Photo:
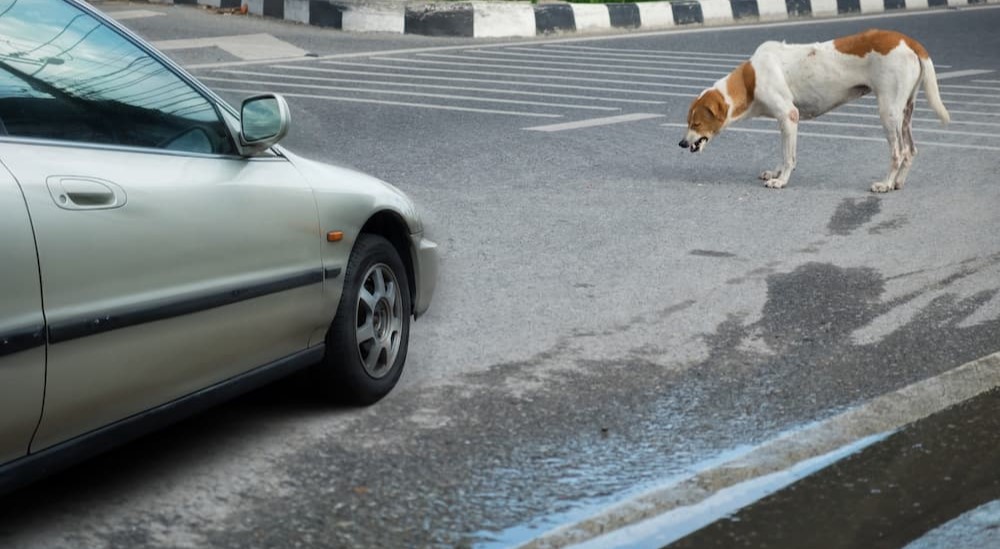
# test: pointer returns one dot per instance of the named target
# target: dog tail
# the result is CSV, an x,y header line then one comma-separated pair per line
x,y
931,90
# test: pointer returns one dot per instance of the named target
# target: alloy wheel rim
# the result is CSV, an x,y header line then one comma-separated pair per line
x,y
379,320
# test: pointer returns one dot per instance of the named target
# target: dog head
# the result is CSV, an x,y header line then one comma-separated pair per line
x,y
706,118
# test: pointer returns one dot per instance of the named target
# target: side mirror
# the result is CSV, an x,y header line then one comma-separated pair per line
x,y
264,120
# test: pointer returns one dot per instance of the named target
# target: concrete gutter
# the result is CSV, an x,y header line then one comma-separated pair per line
x,y
523,19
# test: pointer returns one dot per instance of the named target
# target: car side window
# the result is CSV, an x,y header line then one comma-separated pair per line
x,y
66,75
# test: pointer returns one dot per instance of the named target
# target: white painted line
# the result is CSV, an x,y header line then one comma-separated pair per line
x,y
594,122
608,38
375,17
879,128
770,10
591,16
516,52
395,103
845,431
497,19
716,11
122,15
545,69
922,109
545,77
960,74
253,47
409,93
655,15
823,8
853,138
968,87
521,63
445,87
490,81
947,93
659,54
987,81
932,121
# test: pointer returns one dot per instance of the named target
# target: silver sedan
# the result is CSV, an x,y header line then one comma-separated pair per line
x,y
159,252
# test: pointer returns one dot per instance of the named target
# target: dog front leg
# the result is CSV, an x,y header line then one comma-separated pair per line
x,y
789,124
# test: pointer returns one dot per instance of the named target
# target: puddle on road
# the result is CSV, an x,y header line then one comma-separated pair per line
x,y
882,497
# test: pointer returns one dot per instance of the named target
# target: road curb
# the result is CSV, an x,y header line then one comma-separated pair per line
x,y
522,19
878,416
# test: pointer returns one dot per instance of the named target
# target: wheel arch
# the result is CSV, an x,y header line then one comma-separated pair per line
x,y
391,226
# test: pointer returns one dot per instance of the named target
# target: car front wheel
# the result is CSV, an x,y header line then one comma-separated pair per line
x,y
367,342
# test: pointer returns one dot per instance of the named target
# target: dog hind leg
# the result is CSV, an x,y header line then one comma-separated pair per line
x,y
891,113
909,148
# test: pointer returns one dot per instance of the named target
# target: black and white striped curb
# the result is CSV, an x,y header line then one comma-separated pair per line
x,y
514,19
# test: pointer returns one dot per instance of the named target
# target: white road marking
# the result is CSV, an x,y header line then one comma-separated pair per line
x,y
915,120
546,76
488,81
654,53
608,38
879,128
122,15
395,103
584,71
852,138
521,63
784,453
409,93
987,81
444,87
960,74
516,52
594,122
251,47
922,109
968,87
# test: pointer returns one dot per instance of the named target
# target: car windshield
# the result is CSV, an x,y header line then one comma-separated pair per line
x,y
64,74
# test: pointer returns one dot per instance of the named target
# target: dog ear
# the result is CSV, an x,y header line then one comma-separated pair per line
x,y
716,105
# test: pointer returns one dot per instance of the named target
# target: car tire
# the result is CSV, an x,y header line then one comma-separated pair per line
x,y
367,341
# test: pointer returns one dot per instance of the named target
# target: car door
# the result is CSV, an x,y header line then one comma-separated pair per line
x,y
167,262
22,327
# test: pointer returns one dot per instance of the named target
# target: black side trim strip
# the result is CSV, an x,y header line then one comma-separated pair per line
x,y
151,312
332,273
22,339
32,467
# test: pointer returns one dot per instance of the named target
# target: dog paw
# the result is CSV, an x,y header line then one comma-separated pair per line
x,y
774,183
768,175
882,187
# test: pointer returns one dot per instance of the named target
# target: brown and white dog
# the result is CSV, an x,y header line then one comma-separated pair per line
x,y
792,82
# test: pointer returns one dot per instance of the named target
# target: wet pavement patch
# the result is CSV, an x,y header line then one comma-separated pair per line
x,y
852,214
885,495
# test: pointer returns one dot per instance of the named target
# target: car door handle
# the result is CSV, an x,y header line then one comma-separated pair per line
x,y
85,193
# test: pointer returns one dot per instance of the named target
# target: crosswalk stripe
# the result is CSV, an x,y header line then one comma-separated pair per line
x,y
414,94
445,87
396,103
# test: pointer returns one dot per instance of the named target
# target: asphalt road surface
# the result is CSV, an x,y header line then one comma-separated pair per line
x,y
612,310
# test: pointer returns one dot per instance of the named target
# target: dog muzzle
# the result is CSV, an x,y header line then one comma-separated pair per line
x,y
693,146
